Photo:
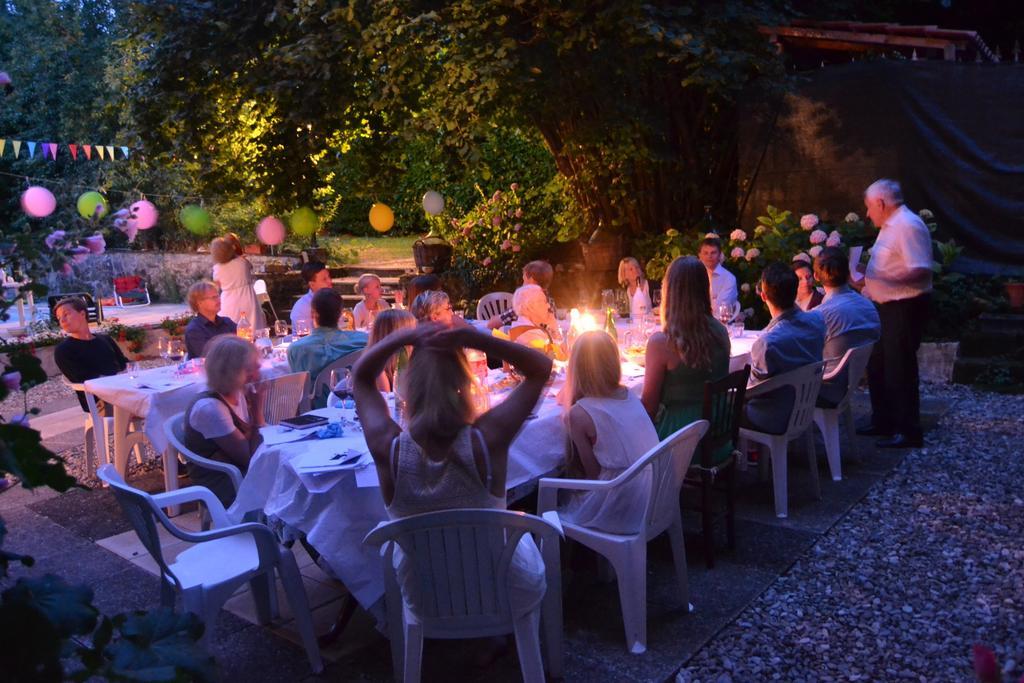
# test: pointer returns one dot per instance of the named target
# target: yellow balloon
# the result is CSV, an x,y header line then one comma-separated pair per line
x,y
382,218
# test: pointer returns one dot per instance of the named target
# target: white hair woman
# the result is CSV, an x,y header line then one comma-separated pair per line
x,y
610,431
369,286
449,456
535,321
223,423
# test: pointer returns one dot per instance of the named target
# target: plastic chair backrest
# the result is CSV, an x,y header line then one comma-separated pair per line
x,y
323,378
669,462
723,407
460,560
855,362
142,514
493,304
806,383
284,396
174,430
259,287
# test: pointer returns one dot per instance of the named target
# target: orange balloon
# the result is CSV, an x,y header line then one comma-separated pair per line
x,y
382,218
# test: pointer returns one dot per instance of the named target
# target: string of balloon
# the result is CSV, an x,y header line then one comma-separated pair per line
x,y
123,193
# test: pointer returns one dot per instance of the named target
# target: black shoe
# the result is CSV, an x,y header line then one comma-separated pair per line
x,y
900,441
870,429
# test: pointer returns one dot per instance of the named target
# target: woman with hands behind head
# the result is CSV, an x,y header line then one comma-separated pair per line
x,y
449,457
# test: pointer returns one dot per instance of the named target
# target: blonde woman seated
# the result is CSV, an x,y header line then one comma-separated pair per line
x,y
223,423
610,431
386,323
373,303
449,457
631,276
535,321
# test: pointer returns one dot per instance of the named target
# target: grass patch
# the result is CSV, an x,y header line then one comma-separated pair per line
x,y
351,249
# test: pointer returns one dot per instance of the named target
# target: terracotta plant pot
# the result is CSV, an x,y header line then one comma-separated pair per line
x,y
432,254
601,253
1015,293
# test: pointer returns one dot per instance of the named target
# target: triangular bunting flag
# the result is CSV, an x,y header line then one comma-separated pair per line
x,y
73,148
3,144
88,151
110,152
53,150
31,149
99,150
17,147
124,151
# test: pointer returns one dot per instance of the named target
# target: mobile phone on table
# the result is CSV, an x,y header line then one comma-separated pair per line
x,y
304,421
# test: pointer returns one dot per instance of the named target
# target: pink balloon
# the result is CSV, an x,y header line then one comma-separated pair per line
x,y
144,214
270,231
38,202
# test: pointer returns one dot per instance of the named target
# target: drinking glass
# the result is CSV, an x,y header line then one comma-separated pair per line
x,y
736,329
341,380
281,328
175,350
133,369
161,346
301,327
263,343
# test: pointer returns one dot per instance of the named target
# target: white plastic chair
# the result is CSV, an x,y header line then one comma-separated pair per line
x,y
806,382
262,296
174,430
99,429
461,560
323,378
627,553
222,560
284,396
855,360
493,304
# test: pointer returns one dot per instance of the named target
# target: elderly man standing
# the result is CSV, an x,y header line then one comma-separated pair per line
x,y
899,280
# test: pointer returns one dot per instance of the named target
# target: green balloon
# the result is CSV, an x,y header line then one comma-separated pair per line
x,y
195,219
304,221
89,201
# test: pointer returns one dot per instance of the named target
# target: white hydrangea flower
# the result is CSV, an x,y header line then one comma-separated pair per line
x,y
745,288
818,236
925,214
802,256
737,252
852,217
814,251
834,239
710,235
808,221
753,253
737,235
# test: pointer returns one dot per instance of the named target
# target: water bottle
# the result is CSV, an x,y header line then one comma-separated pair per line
x,y
638,306
244,329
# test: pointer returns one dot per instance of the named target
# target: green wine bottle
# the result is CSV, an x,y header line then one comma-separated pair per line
x,y
609,325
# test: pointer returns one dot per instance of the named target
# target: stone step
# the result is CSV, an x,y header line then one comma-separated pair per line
x,y
1001,322
989,344
973,370
383,271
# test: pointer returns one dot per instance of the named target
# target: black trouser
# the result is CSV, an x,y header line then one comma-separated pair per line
x,y
892,370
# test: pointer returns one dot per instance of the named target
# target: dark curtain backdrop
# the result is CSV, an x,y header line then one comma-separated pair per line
x,y
952,134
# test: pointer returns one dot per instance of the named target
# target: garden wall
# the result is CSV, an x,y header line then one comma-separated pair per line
x,y
168,274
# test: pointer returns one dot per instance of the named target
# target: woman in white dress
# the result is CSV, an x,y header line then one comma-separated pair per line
x,y
610,431
233,274
631,276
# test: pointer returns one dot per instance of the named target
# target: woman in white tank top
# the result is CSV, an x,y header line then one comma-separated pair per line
x,y
610,431
449,457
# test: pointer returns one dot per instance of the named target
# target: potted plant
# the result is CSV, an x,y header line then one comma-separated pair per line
x,y
1015,293
134,338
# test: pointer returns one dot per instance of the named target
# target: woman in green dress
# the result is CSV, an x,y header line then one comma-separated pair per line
x,y
691,348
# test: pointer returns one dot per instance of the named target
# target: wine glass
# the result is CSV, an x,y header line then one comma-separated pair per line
x,y
175,350
341,380
281,328
301,327
724,313
161,346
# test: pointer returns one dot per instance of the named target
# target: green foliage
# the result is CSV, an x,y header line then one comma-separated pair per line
x,y
133,335
958,299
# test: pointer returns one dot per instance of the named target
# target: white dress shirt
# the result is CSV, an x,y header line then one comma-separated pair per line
x,y
303,309
903,244
723,288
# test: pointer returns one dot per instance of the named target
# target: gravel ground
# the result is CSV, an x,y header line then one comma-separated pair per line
x,y
928,564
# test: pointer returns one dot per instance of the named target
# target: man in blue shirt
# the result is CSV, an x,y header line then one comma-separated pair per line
x,y
317,276
326,343
204,299
850,319
791,340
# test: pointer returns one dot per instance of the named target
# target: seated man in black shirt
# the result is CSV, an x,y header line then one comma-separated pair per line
x,y
204,298
84,355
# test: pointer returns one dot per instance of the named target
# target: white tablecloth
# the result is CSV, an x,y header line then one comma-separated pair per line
x,y
336,514
157,394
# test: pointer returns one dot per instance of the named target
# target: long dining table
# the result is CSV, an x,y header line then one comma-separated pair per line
x,y
291,481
